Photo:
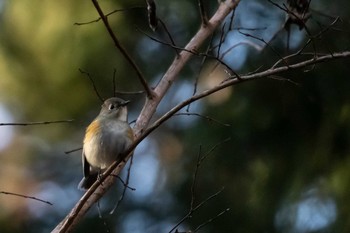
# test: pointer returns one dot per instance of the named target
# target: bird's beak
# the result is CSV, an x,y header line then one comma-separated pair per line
x,y
125,103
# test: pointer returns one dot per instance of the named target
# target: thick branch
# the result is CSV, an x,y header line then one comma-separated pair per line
x,y
141,131
169,77
96,191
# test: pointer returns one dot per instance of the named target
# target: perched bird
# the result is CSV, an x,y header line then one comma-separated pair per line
x,y
106,138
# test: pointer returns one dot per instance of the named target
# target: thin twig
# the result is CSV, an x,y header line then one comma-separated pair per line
x,y
230,27
108,14
211,219
36,123
93,83
233,81
195,85
126,185
205,117
74,150
300,51
140,129
189,214
96,191
193,208
25,196
194,52
267,44
123,50
169,35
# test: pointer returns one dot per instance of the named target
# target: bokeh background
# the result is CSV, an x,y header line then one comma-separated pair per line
x,y
286,167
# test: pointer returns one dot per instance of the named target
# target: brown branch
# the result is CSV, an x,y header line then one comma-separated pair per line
x,y
123,50
96,191
195,52
140,129
179,62
233,81
25,196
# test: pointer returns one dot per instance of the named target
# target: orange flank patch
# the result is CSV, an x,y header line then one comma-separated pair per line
x,y
91,130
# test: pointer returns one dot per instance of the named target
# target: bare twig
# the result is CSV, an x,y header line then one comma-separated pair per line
x,y
249,77
169,35
225,8
74,150
211,219
267,44
230,27
195,85
96,191
140,129
188,215
36,123
25,196
110,13
123,50
126,186
193,208
93,84
205,117
194,52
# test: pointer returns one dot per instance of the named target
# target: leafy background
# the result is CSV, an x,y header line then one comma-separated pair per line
x,y
284,169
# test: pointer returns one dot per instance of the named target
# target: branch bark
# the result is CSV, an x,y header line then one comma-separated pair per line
x,y
97,191
142,128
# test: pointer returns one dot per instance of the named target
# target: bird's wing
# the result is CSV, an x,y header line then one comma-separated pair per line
x,y
86,165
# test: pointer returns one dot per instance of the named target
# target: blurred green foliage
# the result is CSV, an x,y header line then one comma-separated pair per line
x,y
284,169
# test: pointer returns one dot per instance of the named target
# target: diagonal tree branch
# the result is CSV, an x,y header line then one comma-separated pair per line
x,y
225,8
141,129
97,191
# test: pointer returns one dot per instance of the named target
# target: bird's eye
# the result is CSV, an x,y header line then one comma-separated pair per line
x,y
111,106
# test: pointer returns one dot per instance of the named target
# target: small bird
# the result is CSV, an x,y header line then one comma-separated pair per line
x,y
106,138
